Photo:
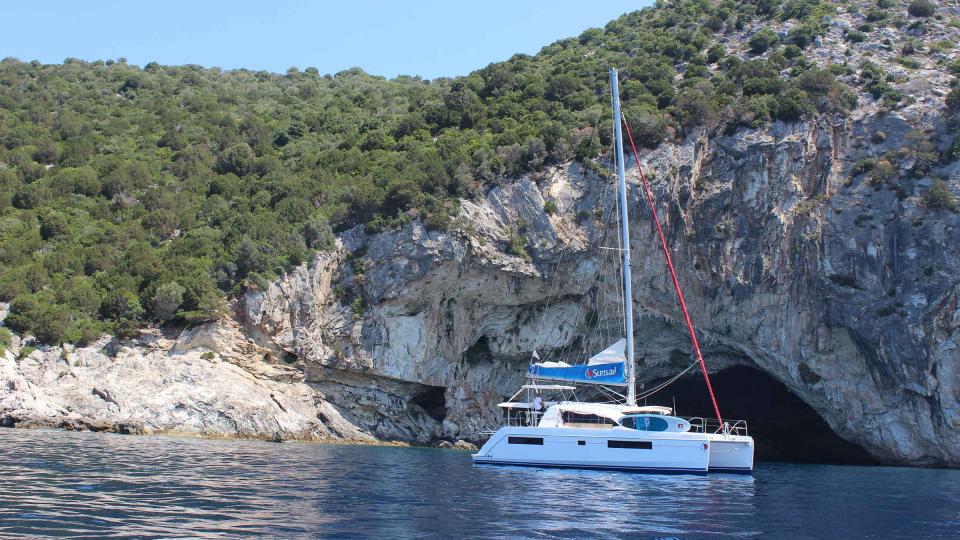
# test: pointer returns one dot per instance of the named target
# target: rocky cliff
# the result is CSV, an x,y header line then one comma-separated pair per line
x,y
797,260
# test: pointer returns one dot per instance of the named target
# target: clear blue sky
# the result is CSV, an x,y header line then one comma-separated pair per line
x,y
430,38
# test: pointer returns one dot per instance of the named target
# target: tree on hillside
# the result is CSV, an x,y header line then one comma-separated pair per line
x,y
922,8
762,41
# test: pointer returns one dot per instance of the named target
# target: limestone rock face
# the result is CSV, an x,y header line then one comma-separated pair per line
x,y
210,381
781,269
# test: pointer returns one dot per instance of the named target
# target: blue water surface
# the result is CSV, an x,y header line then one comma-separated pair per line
x,y
55,483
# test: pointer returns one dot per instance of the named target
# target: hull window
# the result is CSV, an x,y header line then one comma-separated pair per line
x,y
525,440
639,445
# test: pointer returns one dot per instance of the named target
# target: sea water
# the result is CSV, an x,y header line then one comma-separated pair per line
x,y
55,483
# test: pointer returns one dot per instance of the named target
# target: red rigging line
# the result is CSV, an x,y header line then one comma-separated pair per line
x,y
673,274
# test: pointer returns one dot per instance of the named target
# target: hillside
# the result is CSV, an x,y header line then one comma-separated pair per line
x,y
132,195
362,258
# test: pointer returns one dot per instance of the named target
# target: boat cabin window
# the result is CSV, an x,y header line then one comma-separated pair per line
x,y
637,445
645,423
572,419
538,441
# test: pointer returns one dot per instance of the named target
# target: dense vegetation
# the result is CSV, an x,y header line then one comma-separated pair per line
x,y
132,195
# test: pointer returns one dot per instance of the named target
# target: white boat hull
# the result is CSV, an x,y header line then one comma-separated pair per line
x,y
731,453
663,452
592,448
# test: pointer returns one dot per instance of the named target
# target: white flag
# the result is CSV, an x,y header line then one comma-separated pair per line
x,y
535,355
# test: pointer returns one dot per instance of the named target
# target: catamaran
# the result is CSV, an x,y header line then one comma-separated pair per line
x,y
546,425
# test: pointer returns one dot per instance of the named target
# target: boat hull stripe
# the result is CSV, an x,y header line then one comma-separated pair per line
x,y
662,470
743,470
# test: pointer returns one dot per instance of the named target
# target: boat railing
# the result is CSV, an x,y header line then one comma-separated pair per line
x,y
711,425
521,419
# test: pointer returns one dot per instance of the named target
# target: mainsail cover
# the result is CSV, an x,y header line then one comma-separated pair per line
x,y
605,367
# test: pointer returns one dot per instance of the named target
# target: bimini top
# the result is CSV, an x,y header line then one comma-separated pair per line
x,y
651,409
515,405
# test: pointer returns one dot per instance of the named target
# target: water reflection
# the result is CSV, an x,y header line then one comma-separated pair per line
x,y
97,485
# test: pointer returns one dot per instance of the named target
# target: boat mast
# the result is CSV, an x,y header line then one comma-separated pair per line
x,y
625,234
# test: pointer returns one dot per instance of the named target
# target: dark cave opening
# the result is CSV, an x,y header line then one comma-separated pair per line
x,y
479,352
783,426
433,400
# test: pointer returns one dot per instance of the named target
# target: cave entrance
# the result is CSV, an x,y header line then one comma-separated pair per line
x,y
433,400
783,426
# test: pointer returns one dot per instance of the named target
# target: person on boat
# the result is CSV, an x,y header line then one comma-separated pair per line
x,y
537,409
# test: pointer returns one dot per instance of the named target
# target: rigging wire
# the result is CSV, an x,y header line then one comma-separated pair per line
x,y
603,276
663,385
554,349
551,293
673,273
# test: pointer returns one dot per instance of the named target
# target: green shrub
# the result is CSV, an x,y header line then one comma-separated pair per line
x,y
840,69
883,172
518,245
922,8
862,166
805,33
38,314
939,196
908,62
6,338
550,207
715,53
875,81
359,306
942,46
856,37
876,15
762,41
318,235
791,51
793,105
919,146
167,300
763,108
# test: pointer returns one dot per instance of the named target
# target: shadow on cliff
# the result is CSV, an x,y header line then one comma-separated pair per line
x,y
783,426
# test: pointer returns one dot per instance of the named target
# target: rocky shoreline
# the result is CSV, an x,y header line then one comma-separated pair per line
x,y
121,429
197,385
